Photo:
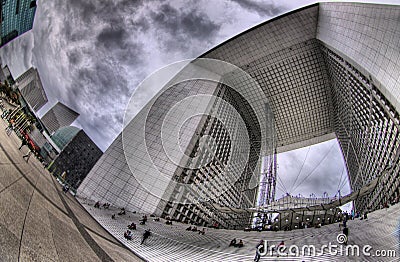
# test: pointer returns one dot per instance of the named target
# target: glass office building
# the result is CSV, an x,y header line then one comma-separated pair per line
x,y
325,71
16,18
64,135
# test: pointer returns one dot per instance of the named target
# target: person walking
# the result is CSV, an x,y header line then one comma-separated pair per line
x,y
146,235
24,142
27,156
346,233
259,250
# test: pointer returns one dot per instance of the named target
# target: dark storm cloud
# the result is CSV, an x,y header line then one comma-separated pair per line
x,y
198,25
180,27
263,8
74,57
84,57
113,37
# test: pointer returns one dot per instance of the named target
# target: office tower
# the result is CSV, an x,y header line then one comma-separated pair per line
x,y
8,75
328,70
31,88
16,18
58,116
76,159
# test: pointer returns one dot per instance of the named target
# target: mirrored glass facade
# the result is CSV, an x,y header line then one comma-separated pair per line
x,y
16,18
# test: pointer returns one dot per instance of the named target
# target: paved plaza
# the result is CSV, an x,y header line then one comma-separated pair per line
x,y
175,243
38,222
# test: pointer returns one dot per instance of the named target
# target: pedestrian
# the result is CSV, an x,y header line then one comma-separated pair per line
x,y
9,129
233,242
146,235
24,142
346,233
27,156
259,250
240,244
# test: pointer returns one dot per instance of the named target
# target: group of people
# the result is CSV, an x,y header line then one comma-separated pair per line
x,y
194,229
120,213
353,215
129,236
105,205
5,113
132,226
235,243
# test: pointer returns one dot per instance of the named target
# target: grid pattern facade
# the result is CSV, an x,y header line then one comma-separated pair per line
x,y
367,127
113,181
76,160
16,18
369,36
209,181
58,116
328,70
31,88
285,59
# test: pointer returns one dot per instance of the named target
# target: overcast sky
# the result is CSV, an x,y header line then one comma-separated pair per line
x,y
92,54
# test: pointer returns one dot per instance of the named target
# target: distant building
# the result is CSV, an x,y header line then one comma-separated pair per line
x,y
64,135
16,18
2,74
31,88
8,75
58,116
76,159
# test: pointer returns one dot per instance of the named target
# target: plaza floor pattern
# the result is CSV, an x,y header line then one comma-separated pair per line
x,y
174,243
38,222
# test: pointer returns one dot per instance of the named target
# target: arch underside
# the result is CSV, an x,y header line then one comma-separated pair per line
x,y
321,70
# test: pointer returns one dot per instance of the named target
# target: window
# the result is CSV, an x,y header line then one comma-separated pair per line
x,y
17,7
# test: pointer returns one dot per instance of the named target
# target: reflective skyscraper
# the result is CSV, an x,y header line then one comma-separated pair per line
x,y
16,18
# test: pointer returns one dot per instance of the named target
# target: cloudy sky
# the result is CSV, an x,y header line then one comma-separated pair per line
x,y
92,54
